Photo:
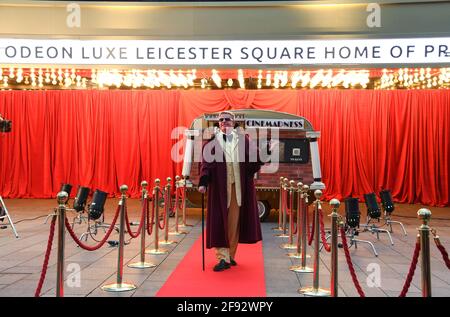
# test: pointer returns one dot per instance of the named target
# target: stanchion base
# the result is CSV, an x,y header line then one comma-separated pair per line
x,y
177,233
156,251
298,255
122,287
277,229
282,235
310,291
301,269
141,265
185,226
288,246
168,242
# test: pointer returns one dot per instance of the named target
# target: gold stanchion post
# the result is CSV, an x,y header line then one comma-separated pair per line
x,y
290,245
177,232
315,290
184,184
120,286
280,206
424,233
142,264
302,268
156,250
334,247
167,206
285,187
61,197
300,230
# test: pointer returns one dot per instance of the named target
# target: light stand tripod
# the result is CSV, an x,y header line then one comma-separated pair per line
x,y
92,229
5,126
5,214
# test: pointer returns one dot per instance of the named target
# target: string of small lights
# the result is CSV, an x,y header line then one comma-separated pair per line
x,y
414,78
72,78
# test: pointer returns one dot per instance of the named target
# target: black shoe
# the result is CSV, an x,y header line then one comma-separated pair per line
x,y
222,265
233,262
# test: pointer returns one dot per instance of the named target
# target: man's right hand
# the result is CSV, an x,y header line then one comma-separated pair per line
x,y
202,189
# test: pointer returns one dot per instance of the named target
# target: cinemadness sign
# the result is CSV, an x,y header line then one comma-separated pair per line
x,y
147,52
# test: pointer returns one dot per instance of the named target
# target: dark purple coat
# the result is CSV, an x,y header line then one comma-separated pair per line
x,y
214,176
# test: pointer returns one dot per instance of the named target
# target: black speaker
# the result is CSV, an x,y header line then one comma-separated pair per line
x,y
80,200
373,210
352,213
66,188
97,205
386,200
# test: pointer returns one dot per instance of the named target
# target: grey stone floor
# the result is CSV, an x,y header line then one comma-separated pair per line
x,y
21,259
393,262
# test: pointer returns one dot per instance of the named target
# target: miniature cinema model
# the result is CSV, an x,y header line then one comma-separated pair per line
x,y
297,155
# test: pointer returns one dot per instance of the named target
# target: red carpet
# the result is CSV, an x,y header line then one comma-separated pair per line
x,y
244,280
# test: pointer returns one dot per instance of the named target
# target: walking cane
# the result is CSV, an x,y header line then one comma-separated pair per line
x,y
203,229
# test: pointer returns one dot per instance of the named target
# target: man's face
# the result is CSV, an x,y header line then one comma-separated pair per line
x,y
226,123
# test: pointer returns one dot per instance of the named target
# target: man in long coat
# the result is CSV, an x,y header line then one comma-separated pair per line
x,y
229,163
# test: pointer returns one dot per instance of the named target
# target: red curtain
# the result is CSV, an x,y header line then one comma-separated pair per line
x,y
99,139
369,139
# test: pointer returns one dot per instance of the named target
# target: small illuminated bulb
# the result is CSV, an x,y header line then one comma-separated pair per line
x,y
268,79
11,72
230,82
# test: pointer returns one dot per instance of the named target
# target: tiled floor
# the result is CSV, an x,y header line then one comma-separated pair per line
x,y
21,259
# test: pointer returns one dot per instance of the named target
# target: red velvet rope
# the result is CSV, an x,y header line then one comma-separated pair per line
x,y
289,212
350,264
313,229
322,232
102,242
307,220
283,202
443,252
286,205
412,269
177,197
37,293
164,215
151,221
182,195
294,226
141,223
